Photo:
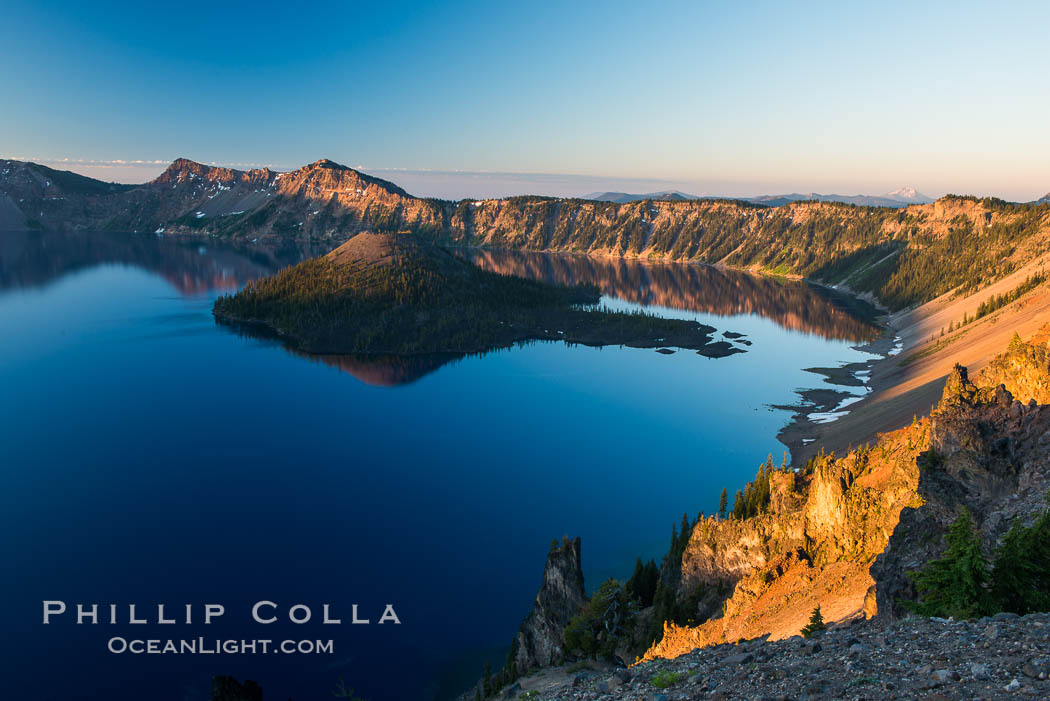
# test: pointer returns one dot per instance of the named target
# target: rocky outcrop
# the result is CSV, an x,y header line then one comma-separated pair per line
x,y
1024,369
989,453
815,545
229,689
844,533
541,637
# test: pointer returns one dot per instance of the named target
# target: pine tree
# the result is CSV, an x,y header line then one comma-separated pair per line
x,y
815,625
723,502
956,585
1021,573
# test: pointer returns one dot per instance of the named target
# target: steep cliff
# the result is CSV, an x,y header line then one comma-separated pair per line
x,y
541,640
821,532
844,533
988,452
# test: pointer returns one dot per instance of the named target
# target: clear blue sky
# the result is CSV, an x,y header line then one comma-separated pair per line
x,y
720,98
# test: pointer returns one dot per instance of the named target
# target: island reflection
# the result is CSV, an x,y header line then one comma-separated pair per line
x,y
383,370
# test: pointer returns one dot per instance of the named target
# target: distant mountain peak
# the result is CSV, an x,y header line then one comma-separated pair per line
x,y
180,163
625,197
901,197
908,194
328,164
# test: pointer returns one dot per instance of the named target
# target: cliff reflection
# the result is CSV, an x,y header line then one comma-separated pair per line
x,y
794,305
192,266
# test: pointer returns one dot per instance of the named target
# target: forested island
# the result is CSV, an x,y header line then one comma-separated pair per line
x,y
398,294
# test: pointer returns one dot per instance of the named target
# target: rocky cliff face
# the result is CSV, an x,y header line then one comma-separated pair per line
x,y
814,546
541,640
988,452
844,533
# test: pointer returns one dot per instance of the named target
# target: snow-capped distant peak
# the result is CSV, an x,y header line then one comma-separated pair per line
x,y
908,194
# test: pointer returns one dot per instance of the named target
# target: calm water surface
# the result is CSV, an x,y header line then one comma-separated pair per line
x,y
151,456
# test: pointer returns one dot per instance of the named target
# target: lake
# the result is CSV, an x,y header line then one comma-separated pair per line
x,y
151,456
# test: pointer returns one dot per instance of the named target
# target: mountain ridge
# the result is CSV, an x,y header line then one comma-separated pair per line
x,y
900,197
897,256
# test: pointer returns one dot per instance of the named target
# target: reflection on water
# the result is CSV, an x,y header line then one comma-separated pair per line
x,y
198,266
384,370
794,305
192,266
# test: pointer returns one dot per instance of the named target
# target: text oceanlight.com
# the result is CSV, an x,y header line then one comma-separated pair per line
x,y
203,646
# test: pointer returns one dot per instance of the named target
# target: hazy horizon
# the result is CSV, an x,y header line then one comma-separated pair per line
x,y
466,184
470,99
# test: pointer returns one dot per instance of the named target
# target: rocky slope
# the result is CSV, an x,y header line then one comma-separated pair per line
x,y
1001,657
844,536
988,452
902,257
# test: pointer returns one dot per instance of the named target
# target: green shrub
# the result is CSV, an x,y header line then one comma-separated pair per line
x,y
662,680
601,625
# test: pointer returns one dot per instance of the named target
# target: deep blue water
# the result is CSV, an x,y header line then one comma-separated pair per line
x,y
151,456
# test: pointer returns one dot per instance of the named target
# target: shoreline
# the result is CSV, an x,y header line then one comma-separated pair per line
x,y
821,408
917,352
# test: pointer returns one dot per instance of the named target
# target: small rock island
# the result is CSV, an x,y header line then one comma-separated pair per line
x,y
400,294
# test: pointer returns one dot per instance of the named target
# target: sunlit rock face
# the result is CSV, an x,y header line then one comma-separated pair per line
x,y
844,533
1024,370
814,545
